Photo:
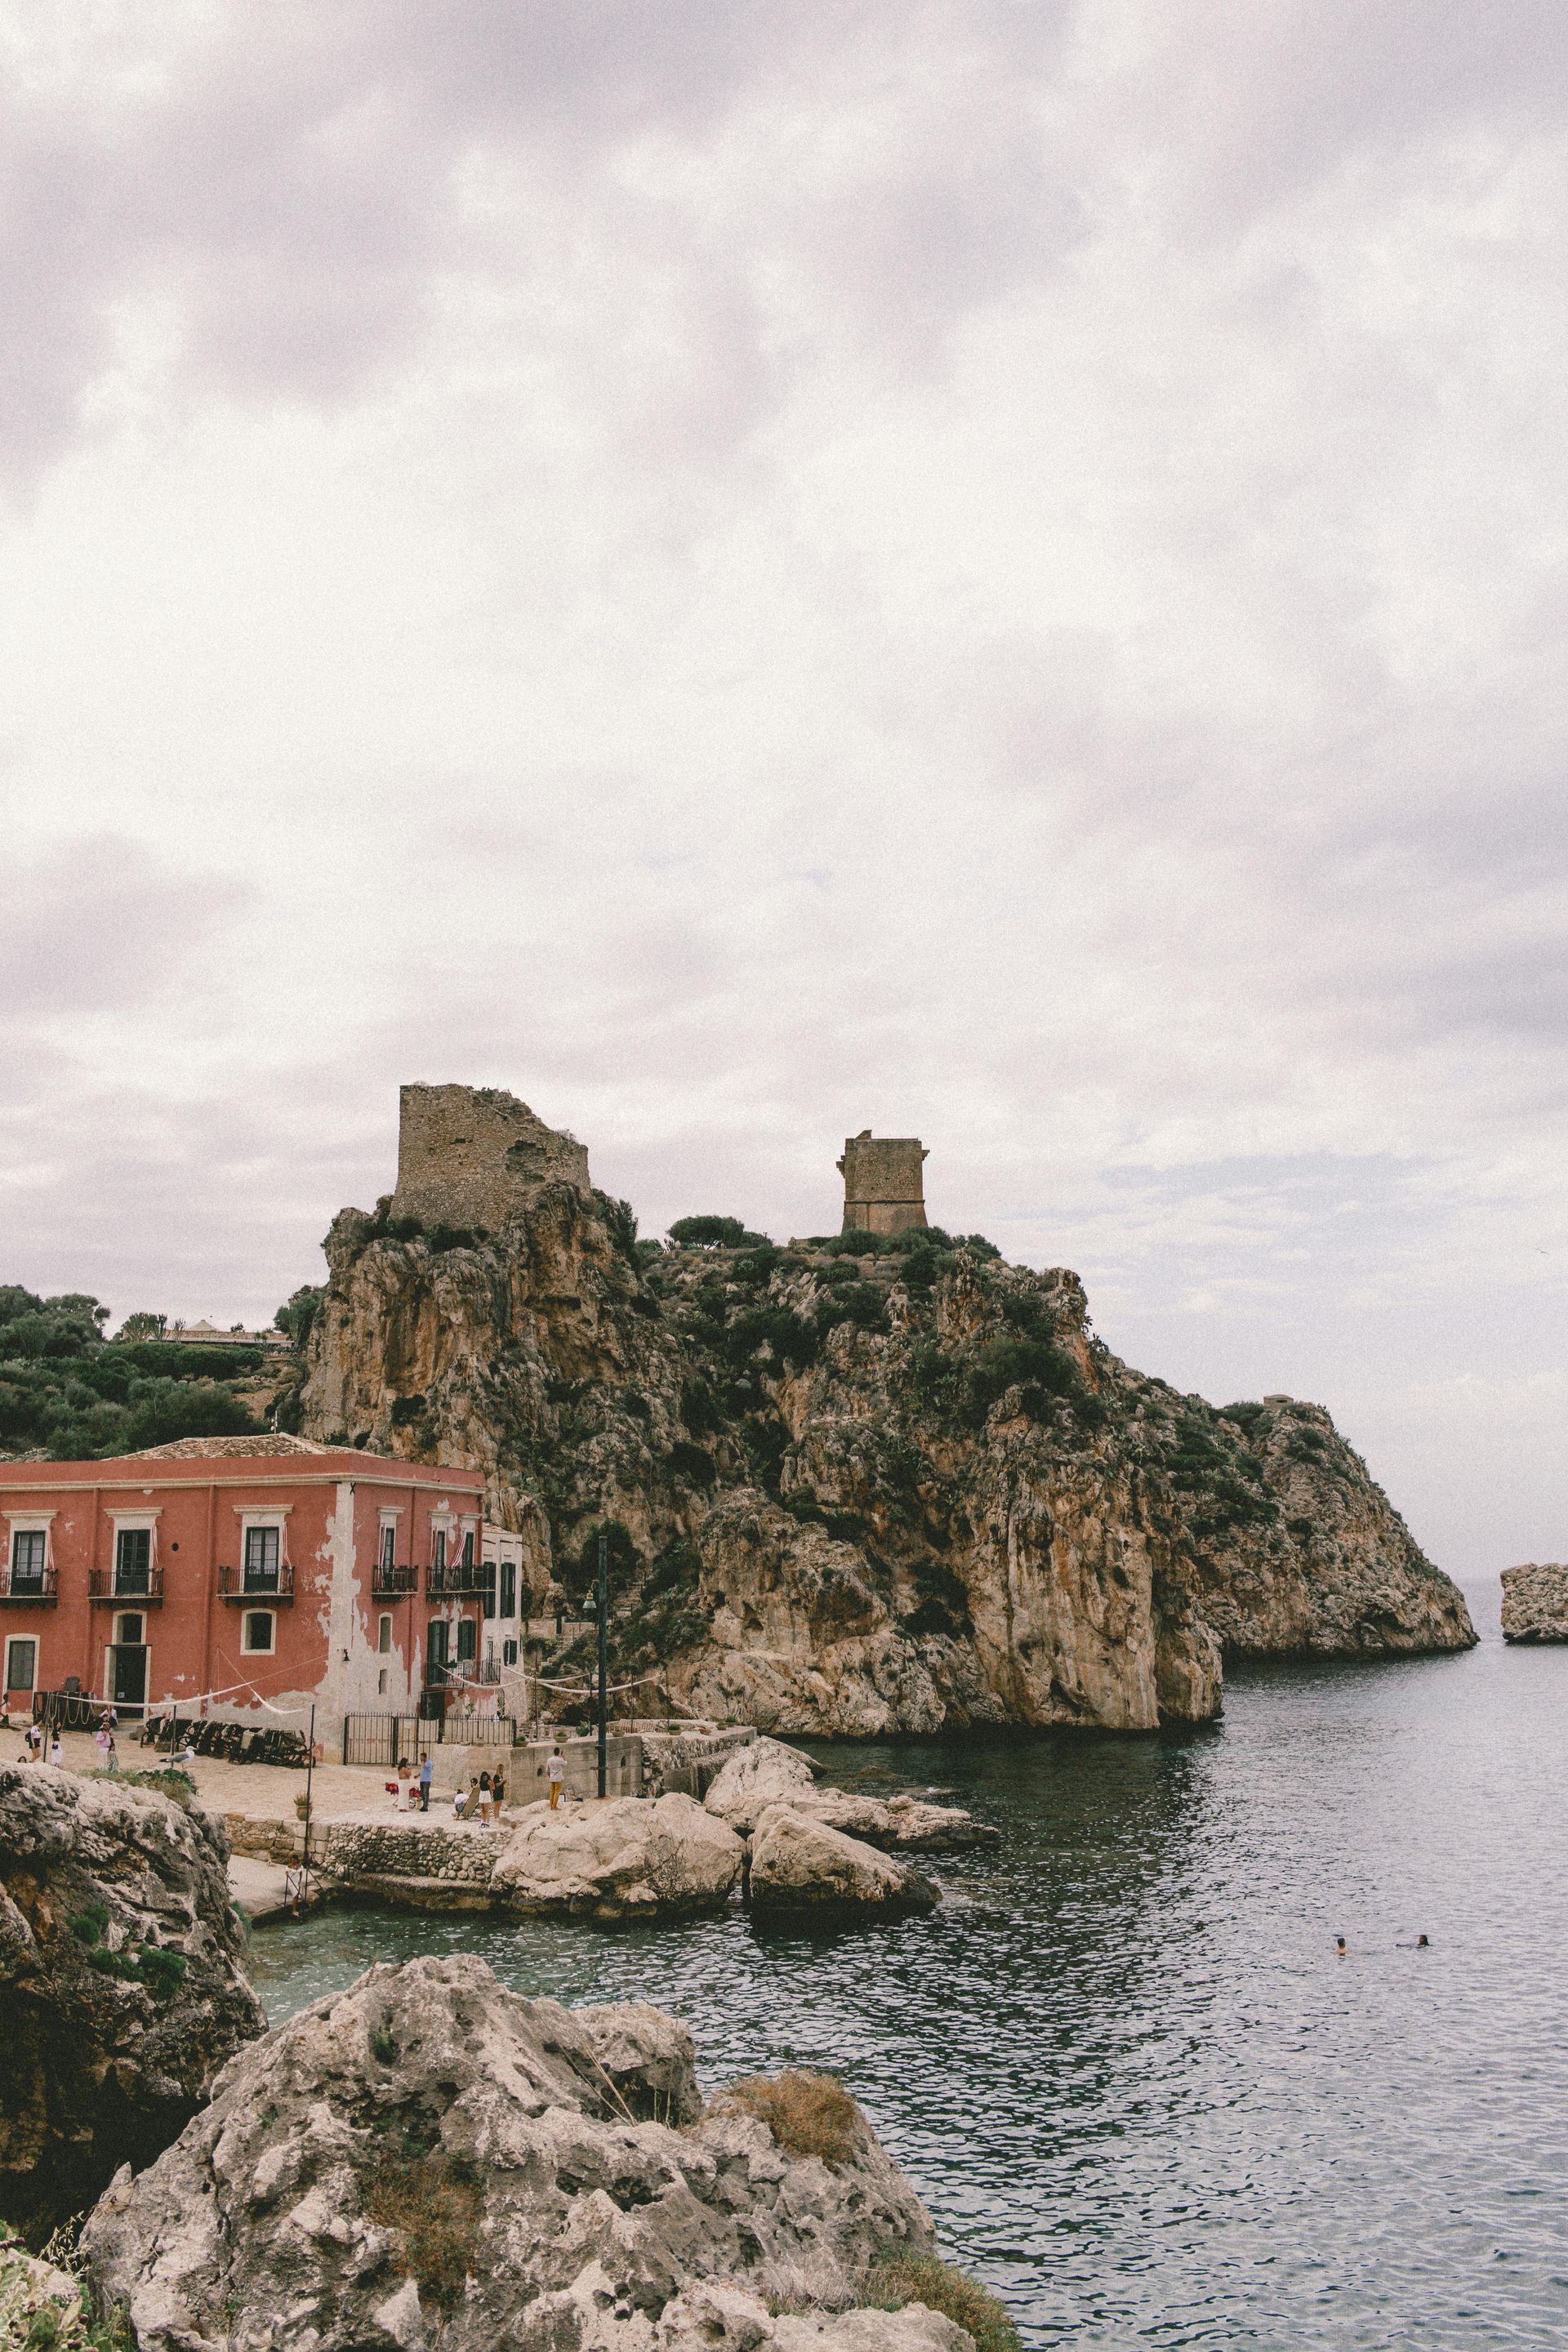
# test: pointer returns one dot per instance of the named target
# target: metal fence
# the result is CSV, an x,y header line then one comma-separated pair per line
x,y
387,1739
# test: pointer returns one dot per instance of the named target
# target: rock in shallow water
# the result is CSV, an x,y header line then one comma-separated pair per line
x,y
1535,1602
765,1772
622,1859
121,1985
801,1865
896,1824
429,2156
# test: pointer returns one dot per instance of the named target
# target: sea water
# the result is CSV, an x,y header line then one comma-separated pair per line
x,y
1140,2094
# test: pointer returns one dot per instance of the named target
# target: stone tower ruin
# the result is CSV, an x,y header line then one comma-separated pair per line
x,y
477,1156
884,1184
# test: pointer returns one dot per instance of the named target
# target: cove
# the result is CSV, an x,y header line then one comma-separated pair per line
x,y
1143,2099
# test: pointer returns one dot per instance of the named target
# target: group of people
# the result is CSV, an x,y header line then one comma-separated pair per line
x,y
38,1745
484,1798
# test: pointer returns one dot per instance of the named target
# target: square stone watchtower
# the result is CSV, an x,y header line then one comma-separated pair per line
x,y
476,1156
884,1183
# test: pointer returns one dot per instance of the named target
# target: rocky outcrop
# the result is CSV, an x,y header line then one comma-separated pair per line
x,y
906,1493
901,1824
121,1986
622,1859
765,1772
428,2158
800,1864
1535,1602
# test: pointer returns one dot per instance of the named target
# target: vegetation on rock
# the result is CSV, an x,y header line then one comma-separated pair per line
x,y
69,1394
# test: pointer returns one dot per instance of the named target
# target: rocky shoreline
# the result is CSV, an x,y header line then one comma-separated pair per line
x,y
764,1829
426,2158
1535,1602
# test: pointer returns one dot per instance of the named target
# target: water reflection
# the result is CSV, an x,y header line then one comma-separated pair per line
x,y
1135,2086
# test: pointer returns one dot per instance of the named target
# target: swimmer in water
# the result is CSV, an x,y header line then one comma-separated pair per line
x,y
1340,1945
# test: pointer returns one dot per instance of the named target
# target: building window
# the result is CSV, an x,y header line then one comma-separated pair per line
x,y
437,1547
21,1666
381,1683
468,1640
508,1653
469,1549
509,1587
132,1560
262,1550
490,1591
389,1544
30,1549
132,1630
256,1631
383,1636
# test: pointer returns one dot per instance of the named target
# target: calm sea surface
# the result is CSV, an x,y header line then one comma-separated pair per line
x,y
1139,2093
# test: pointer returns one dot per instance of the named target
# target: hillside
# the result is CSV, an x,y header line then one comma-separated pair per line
x,y
860,1492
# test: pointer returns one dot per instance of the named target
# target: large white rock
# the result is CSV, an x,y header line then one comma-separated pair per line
x,y
764,1772
896,1825
428,2159
801,1865
621,1859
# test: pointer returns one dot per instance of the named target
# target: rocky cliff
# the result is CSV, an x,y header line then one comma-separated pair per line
x,y
1535,1602
853,1495
121,1986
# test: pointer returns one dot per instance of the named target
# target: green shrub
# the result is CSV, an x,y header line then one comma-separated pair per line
x,y
863,1304
405,1410
163,1971
90,1925
900,2276
297,1319
715,1233
855,1241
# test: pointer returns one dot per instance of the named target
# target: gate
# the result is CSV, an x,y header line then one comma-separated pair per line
x,y
386,1739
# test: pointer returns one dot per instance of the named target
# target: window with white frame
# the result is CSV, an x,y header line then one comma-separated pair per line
x,y
509,1587
21,1666
132,1560
383,1636
29,1558
263,1553
381,1683
388,1546
257,1628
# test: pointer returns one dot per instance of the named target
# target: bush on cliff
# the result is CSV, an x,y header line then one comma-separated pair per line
x,y
715,1233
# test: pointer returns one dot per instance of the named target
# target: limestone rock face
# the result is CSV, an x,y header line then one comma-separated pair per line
x,y
123,1988
624,1859
801,1865
1535,1602
909,1493
765,1772
427,2159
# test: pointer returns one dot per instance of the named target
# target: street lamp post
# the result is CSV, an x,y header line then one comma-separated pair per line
x,y
603,1602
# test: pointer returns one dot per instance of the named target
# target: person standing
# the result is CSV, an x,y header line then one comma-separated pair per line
x,y
484,1796
426,1773
404,1785
102,1740
112,1755
555,1774
497,1795
56,1752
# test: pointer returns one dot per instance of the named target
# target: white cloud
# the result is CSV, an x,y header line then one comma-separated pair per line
x,y
991,571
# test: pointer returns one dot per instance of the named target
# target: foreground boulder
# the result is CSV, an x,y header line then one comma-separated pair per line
x,y
123,1990
800,1864
1535,1602
621,1859
765,1772
428,2158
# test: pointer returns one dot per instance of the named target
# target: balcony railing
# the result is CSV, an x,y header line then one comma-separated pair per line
x,y
393,1583
142,1586
249,1584
20,1587
459,1579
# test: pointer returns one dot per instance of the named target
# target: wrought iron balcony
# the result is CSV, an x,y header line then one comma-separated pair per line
x,y
458,1581
248,1585
393,1583
141,1586
24,1589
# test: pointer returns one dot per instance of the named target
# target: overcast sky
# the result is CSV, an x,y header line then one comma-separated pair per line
x,y
989,571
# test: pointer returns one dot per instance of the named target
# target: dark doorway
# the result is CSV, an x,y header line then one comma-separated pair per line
x,y
129,1677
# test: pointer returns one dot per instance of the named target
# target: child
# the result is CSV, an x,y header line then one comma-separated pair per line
x,y
555,1774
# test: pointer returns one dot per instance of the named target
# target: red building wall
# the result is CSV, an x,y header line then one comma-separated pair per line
x,y
329,1508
